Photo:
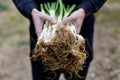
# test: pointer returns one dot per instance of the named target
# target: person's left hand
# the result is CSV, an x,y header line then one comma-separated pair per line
x,y
76,18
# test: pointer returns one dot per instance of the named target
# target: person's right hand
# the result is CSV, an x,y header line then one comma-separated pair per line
x,y
39,18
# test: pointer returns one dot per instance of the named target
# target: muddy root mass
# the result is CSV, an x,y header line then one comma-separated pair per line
x,y
64,52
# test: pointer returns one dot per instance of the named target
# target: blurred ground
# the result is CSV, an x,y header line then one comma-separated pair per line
x,y
14,43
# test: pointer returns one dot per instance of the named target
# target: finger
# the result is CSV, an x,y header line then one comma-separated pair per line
x,y
67,20
38,34
49,19
37,21
38,25
78,25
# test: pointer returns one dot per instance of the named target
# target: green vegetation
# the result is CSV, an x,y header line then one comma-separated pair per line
x,y
20,43
113,1
3,7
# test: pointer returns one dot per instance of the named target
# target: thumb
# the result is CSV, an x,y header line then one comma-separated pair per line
x,y
66,20
49,19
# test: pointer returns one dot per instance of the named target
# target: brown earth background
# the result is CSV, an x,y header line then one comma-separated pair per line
x,y
14,43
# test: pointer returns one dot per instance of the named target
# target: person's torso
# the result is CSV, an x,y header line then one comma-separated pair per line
x,y
68,2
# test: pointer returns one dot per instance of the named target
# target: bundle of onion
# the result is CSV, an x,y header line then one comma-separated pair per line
x,y
59,47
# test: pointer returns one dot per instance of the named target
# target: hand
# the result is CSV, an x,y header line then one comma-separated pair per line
x,y
76,18
39,18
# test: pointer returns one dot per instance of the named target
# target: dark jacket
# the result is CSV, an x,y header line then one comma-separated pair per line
x,y
90,6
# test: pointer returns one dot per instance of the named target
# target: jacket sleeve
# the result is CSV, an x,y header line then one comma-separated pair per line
x,y
91,6
25,6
